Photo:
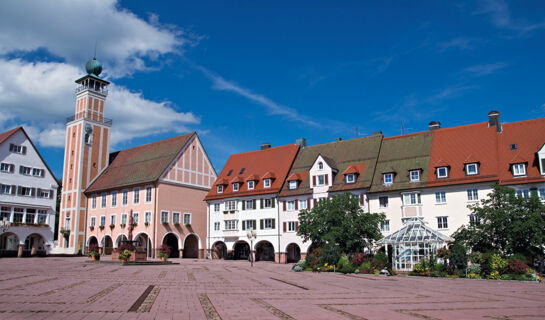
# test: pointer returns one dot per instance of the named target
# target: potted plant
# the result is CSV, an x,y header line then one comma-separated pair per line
x,y
146,223
65,232
112,226
122,225
124,255
92,228
164,223
188,225
93,253
176,223
101,227
164,252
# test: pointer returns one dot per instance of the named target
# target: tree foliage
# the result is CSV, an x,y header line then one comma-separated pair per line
x,y
340,224
508,224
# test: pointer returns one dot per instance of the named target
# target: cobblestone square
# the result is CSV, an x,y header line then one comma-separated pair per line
x,y
74,288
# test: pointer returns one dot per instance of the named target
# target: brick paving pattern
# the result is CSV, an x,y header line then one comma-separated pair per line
x,y
75,288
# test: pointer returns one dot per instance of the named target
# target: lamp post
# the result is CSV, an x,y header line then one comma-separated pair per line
x,y
251,236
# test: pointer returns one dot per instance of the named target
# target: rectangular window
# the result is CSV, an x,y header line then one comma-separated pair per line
x,y
472,194
114,199
187,218
124,219
542,194
388,178
235,186
231,225
135,218
383,202
5,213
102,220
472,169
411,198
220,188
267,183
42,216
442,172
147,217
30,215
25,170
216,207
176,217
148,194
519,169
267,203
442,222
441,197
292,185
5,189
18,215
291,226
251,184
268,223
17,149
414,175
321,180
27,192
231,205
164,216
112,220
38,172
291,205
136,195
249,225
92,222
302,204
94,201
473,219
350,178
385,226
125,197
250,205
42,193
217,226
523,193
103,200
6,167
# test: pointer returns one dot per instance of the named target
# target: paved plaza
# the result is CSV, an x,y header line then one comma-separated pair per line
x,y
74,288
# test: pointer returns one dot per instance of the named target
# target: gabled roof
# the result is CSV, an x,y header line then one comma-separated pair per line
x,y
456,146
261,164
340,155
139,165
529,136
400,154
5,135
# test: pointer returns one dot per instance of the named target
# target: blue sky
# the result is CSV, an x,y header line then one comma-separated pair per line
x,y
245,73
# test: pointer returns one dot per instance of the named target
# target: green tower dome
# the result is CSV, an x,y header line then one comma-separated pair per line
x,y
93,67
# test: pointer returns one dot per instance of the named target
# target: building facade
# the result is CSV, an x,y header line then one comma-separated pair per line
x,y
28,197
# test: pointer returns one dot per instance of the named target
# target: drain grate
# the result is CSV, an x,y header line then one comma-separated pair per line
x,y
291,283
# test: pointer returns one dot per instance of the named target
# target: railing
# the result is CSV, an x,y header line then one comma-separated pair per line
x,y
98,89
104,119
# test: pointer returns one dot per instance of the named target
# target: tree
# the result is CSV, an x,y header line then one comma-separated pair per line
x,y
508,224
340,225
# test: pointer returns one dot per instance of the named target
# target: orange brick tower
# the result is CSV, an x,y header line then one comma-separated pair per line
x,y
85,156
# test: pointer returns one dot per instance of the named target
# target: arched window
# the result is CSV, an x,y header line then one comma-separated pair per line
x,y
320,165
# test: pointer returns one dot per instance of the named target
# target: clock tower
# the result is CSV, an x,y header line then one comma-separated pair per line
x,y
85,156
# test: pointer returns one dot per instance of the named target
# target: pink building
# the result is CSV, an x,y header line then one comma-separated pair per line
x,y
162,185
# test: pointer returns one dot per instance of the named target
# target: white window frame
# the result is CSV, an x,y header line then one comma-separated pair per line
x,y
94,201
442,222
519,169
250,225
249,204
542,194
217,226
92,222
440,197
350,178
165,214
303,204
112,219
388,179
231,205
412,199
473,194
37,172
292,185
148,194
124,219
290,226
27,171
266,183
471,172
102,221
267,223
217,207
269,204
44,193
438,172
103,199
474,219
113,202
7,167
136,195
414,176
251,184
385,226
219,188
176,217
187,218
523,193
125,198
291,205
320,180
135,217
16,148
147,217
6,189
320,165
235,187
230,225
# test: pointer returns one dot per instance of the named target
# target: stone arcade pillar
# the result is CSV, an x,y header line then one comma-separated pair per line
x,y
20,251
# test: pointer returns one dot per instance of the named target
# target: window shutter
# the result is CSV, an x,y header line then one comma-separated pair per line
x,y
21,169
272,202
243,225
273,220
13,189
11,168
24,150
11,147
284,205
361,199
296,205
254,225
313,181
308,203
284,226
243,206
296,225
254,204
19,190
261,224
261,203
326,177
38,192
315,202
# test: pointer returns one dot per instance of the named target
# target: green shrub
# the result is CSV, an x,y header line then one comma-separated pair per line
x,y
473,276
381,257
365,267
497,263
341,262
458,257
474,268
330,254
440,267
348,267
357,271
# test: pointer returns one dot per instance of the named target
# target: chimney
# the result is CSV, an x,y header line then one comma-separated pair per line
x,y
434,125
376,133
265,146
494,120
338,139
302,142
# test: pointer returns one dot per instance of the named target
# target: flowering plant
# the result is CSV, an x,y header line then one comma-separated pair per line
x,y
125,255
164,251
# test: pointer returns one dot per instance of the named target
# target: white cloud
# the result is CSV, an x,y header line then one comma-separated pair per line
x,y
500,16
485,69
41,95
69,28
461,43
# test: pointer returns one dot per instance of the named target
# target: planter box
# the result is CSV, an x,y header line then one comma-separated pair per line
x,y
136,256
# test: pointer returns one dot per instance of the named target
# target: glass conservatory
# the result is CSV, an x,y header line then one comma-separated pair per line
x,y
415,241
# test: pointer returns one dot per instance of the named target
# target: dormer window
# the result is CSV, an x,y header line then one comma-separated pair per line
x,y
251,185
350,178
442,172
519,169
388,179
219,188
292,185
472,169
235,186
541,160
414,176
266,183
320,165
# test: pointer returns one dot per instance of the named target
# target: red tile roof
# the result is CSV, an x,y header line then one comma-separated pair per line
x,y
529,136
5,135
454,146
139,165
273,162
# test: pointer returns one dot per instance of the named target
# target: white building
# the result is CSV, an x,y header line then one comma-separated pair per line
x,y
28,193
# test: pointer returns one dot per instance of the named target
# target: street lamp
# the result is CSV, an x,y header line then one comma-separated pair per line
x,y
5,224
251,236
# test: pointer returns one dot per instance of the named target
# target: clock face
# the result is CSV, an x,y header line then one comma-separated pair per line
x,y
88,128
